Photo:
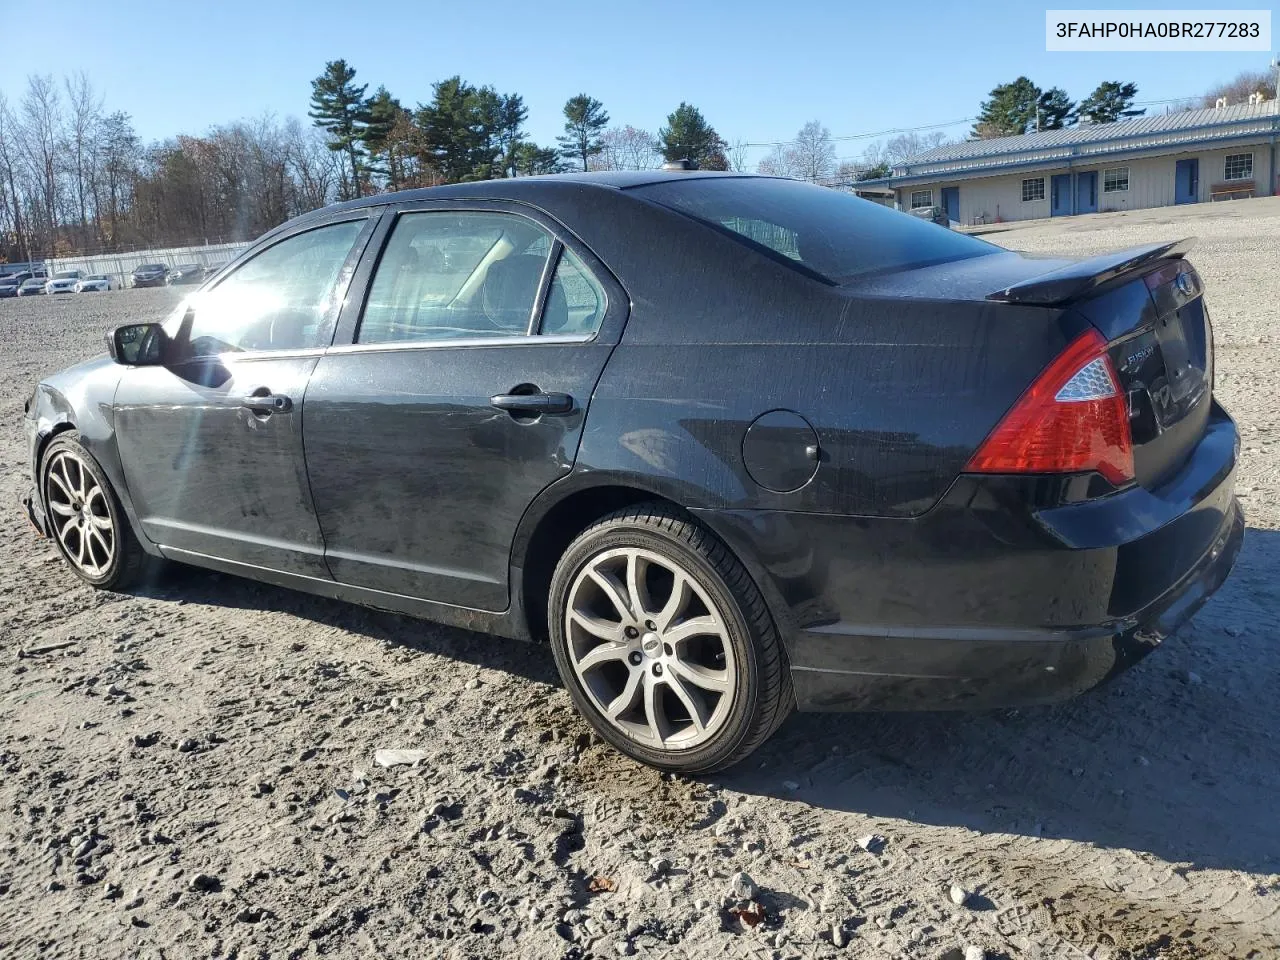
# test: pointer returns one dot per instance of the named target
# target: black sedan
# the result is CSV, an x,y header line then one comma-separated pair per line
x,y
150,275
186,273
731,444
10,282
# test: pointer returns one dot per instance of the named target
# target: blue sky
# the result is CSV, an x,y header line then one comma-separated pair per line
x,y
757,70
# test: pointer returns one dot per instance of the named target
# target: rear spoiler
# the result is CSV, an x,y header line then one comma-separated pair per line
x,y
1073,280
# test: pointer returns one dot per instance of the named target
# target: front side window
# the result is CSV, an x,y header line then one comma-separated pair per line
x,y
282,299
1115,180
1239,166
1033,189
445,276
921,198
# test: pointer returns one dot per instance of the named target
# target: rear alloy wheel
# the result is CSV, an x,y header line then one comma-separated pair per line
x,y
665,643
86,519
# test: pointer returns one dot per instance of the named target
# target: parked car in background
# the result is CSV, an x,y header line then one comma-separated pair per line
x,y
97,283
833,458
64,281
186,273
31,287
150,275
933,214
10,283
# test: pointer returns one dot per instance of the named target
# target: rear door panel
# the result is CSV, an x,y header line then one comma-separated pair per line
x,y
419,481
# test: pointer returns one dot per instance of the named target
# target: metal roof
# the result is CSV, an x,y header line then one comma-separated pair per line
x,y
1139,133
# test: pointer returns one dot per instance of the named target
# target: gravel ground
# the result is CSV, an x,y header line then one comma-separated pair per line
x,y
194,774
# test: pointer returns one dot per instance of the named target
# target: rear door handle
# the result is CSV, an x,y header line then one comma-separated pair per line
x,y
267,403
538,403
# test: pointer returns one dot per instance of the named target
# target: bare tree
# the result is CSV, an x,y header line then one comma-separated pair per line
x,y
814,155
737,156
9,167
80,150
1239,89
627,148
41,119
906,146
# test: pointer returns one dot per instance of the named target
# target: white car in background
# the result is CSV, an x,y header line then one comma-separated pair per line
x,y
64,281
96,282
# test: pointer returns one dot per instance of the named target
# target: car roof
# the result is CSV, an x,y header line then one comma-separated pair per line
x,y
520,188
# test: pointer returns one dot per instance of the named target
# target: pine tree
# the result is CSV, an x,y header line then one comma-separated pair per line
x,y
533,160
688,136
511,116
1112,101
384,115
338,107
1010,111
584,121
1056,109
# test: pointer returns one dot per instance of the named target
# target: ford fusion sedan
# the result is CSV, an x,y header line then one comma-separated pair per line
x,y
732,445
63,282
32,286
96,283
150,275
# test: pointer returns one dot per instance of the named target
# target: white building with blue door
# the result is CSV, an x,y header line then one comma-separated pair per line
x,y
1195,156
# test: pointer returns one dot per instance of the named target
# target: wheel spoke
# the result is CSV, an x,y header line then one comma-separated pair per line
x,y
601,654
652,708
99,523
63,484
697,627
102,542
698,714
613,590
62,509
677,602
606,630
637,591
715,681
81,475
82,547
627,698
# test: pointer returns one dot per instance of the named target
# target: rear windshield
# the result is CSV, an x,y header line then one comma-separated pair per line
x,y
826,232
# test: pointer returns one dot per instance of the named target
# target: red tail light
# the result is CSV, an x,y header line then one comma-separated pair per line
x,y
1074,418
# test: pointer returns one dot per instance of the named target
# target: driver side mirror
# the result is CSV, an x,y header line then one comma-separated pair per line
x,y
137,344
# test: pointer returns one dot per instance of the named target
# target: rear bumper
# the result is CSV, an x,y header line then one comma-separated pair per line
x,y
992,598
976,668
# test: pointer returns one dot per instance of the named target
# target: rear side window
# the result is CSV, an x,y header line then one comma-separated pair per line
x,y
575,302
832,234
445,276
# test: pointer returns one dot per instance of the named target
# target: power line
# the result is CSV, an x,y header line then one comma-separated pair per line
x,y
932,126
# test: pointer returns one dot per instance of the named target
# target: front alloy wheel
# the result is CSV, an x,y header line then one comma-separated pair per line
x,y
86,518
79,514
665,643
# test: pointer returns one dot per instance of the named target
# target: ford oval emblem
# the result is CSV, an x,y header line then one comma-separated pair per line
x,y
1185,284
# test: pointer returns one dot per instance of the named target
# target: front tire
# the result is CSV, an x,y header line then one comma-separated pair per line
x,y
665,643
86,519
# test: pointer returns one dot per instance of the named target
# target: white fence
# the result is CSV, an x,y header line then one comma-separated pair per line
x,y
118,266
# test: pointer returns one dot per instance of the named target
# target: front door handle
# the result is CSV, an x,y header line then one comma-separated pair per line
x,y
534,403
267,403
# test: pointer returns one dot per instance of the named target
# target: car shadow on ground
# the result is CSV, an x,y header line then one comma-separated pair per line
x,y
1180,756
179,583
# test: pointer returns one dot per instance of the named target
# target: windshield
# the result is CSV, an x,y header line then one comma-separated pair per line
x,y
67,275
826,232
149,266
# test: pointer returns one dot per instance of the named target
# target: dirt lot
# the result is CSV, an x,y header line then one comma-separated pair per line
x,y
194,774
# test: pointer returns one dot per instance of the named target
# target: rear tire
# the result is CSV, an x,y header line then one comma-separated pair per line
x,y
665,643
86,519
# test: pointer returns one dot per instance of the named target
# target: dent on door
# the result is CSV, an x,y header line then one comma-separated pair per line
x,y
212,457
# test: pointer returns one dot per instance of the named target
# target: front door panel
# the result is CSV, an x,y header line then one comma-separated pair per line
x,y
951,203
419,481
210,475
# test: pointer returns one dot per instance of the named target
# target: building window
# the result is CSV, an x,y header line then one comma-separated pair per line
x,y
1115,180
921,198
1240,166
1033,189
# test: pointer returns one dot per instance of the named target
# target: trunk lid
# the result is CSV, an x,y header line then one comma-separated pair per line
x,y
1161,344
